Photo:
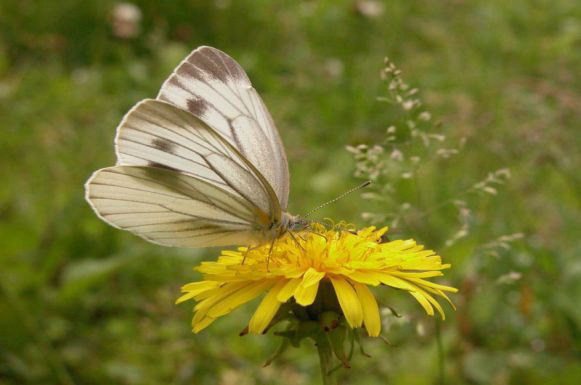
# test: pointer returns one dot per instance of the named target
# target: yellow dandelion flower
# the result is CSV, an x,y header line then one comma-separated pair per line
x,y
299,267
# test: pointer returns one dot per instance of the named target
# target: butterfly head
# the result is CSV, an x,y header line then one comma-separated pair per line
x,y
294,222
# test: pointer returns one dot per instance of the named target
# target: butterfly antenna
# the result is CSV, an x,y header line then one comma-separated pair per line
x,y
362,185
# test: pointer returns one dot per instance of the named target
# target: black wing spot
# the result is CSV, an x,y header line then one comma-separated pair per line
x,y
163,145
197,106
210,66
174,81
160,165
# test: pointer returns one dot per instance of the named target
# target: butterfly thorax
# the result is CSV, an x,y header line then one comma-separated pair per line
x,y
274,230
291,222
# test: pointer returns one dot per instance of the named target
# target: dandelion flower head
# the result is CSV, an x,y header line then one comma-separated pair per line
x,y
297,268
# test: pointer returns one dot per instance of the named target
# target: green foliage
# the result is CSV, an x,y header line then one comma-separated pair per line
x,y
83,303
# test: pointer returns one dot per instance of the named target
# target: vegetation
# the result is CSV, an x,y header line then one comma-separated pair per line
x,y
84,303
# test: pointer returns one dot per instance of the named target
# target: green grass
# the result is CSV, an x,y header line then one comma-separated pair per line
x,y
83,303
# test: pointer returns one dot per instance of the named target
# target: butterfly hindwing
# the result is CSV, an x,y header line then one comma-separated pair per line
x,y
169,208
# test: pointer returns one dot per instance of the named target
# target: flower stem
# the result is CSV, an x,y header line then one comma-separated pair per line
x,y
325,358
441,354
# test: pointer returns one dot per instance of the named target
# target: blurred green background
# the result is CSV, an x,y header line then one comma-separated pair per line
x,y
83,303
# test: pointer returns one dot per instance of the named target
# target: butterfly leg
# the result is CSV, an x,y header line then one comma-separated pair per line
x,y
270,253
301,237
248,250
319,234
296,241
310,230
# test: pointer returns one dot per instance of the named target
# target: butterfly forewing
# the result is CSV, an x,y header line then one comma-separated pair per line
x,y
213,87
158,134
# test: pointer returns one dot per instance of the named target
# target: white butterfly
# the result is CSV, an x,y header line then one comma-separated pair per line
x,y
202,165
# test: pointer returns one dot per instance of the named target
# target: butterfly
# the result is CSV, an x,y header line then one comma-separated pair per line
x,y
201,165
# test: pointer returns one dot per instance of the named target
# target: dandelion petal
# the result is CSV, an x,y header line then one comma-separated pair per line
x,y
423,301
306,291
237,298
266,310
202,324
192,289
370,309
312,277
306,295
288,289
349,301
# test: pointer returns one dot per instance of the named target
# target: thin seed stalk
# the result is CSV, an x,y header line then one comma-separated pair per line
x,y
325,359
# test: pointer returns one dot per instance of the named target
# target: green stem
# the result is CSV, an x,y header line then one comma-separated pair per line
x,y
441,355
325,359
